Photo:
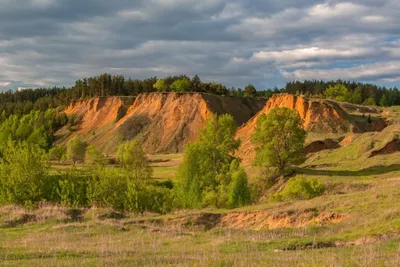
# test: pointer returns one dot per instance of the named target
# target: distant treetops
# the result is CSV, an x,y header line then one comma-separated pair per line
x,y
40,99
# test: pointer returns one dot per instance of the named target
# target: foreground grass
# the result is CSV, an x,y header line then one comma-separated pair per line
x,y
355,223
368,234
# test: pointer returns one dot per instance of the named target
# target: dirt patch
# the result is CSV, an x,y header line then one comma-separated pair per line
x,y
348,140
378,125
265,220
320,145
391,147
22,219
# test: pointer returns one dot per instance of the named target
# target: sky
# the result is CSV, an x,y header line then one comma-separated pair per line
x,y
263,42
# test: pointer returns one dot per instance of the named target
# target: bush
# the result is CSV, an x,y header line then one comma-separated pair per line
x,y
300,188
72,189
107,188
142,197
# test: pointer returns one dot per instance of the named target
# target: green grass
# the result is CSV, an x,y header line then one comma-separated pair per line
x,y
363,192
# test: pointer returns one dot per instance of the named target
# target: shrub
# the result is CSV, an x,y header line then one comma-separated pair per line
x,y
300,188
141,197
107,188
57,153
72,189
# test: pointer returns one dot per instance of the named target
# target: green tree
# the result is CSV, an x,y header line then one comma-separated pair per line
x,y
207,163
56,153
238,189
384,101
93,157
132,157
338,92
369,102
75,150
23,169
181,85
159,85
250,91
356,97
279,140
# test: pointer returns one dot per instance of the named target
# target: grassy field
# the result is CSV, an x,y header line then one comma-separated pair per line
x,y
355,223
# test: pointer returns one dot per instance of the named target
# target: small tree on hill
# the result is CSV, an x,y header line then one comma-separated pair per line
x,y
159,85
338,92
279,140
132,157
384,101
75,150
250,91
181,85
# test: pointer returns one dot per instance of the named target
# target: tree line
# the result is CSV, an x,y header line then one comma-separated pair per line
x,y
40,99
353,92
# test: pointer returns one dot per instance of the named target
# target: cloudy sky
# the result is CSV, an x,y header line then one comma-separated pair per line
x,y
264,42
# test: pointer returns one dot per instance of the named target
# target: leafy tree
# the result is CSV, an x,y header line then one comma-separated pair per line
x,y
338,92
40,136
23,169
75,150
206,164
369,102
279,140
160,85
57,153
239,191
250,91
181,85
356,97
384,101
93,157
132,157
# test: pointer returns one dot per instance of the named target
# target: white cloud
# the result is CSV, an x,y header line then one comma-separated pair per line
x,y
5,84
382,71
309,53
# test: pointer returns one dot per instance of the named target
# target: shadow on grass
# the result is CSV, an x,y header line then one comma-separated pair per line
x,y
375,170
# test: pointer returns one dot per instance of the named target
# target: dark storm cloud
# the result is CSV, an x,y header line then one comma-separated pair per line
x,y
54,42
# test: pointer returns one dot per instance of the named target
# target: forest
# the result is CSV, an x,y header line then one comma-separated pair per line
x,y
40,99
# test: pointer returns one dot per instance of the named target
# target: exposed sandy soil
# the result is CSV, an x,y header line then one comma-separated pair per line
x,y
317,115
164,122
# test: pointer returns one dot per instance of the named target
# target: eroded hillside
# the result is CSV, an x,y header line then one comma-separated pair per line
x,y
320,118
164,122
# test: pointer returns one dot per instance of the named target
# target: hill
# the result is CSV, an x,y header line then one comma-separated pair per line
x,y
322,119
164,122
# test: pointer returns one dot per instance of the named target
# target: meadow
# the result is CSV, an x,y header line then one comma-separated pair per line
x,y
356,222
